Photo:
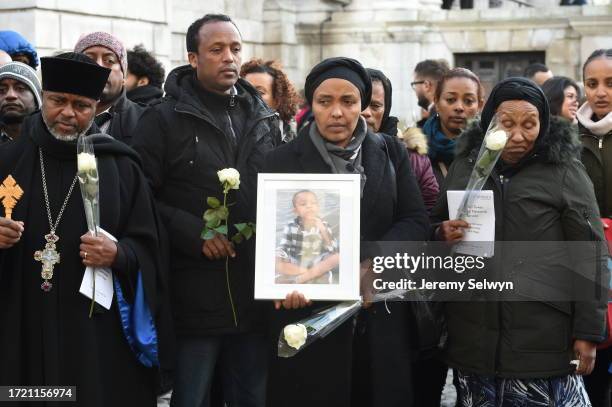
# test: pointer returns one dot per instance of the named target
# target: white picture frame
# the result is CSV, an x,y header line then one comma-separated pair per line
x,y
287,243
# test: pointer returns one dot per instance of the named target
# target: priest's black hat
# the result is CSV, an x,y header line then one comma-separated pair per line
x,y
74,73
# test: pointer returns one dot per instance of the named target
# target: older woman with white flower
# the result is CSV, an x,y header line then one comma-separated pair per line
x,y
531,351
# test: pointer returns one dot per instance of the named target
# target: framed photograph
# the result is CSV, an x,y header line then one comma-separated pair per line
x,y
308,236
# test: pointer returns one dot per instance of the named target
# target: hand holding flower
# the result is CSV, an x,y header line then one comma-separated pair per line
x,y
218,248
452,231
97,251
103,252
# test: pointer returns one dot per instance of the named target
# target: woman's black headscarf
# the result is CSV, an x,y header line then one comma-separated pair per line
x,y
389,123
517,89
342,68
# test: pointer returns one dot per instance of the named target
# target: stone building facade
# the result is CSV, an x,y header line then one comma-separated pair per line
x,y
392,35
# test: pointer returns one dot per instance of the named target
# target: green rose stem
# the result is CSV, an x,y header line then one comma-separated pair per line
x,y
229,288
480,173
217,222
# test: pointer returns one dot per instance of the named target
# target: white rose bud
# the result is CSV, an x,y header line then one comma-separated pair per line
x,y
230,176
295,335
496,140
86,162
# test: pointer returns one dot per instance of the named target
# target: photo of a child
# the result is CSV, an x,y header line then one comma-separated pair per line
x,y
307,250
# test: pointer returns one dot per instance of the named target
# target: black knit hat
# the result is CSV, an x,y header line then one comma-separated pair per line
x,y
74,73
517,89
342,68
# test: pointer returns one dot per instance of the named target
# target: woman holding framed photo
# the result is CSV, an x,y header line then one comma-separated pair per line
x,y
339,142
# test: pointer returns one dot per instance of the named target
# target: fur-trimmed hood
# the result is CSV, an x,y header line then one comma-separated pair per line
x,y
558,145
415,140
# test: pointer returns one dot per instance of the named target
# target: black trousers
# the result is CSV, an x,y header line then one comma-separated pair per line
x,y
428,382
382,357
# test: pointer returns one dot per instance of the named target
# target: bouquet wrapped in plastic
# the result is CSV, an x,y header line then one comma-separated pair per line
x,y
87,171
295,337
492,146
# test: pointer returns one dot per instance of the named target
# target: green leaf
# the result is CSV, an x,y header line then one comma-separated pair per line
x,y
213,202
210,215
247,232
207,234
213,223
221,229
240,226
237,238
222,212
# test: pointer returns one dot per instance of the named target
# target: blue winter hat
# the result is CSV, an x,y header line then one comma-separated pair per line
x,y
13,43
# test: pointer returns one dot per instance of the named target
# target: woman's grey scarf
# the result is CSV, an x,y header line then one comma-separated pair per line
x,y
345,160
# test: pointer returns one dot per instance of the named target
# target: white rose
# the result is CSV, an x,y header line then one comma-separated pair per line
x,y
86,162
295,335
230,176
496,140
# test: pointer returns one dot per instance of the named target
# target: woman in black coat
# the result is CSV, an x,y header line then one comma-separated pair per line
x,y
520,351
337,141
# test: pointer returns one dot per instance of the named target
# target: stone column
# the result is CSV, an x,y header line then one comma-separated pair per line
x,y
595,31
391,35
279,36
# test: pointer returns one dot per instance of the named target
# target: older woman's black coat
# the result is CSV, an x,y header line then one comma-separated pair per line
x,y
321,374
547,198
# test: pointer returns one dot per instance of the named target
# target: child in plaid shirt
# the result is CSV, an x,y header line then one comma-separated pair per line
x,y
308,251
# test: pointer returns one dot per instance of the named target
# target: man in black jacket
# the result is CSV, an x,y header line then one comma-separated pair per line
x,y
210,120
116,115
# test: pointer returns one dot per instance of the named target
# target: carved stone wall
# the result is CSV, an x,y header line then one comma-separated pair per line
x,y
392,35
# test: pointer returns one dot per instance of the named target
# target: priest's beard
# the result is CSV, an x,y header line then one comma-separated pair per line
x,y
65,137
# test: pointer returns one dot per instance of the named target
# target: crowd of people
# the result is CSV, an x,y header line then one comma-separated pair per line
x,y
183,324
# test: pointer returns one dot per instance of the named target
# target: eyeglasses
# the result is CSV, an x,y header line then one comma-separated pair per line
x,y
413,84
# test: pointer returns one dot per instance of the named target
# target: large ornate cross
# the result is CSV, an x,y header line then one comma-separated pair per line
x,y
49,257
10,193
